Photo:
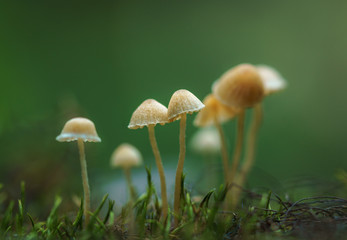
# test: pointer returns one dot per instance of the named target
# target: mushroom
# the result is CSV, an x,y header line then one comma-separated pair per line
x,y
206,141
240,87
181,103
149,114
273,83
81,130
127,156
215,113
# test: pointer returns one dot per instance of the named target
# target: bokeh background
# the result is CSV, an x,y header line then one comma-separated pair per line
x,y
101,60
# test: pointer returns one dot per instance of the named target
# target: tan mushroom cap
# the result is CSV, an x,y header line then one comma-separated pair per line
x,y
183,102
150,112
79,128
272,79
214,110
240,87
126,156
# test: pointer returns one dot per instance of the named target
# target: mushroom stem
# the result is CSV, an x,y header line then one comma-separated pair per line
x,y
160,167
238,146
250,151
84,180
132,194
225,157
179,170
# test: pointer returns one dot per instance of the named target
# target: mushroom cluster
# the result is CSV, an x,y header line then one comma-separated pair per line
x,y
150,113
240,88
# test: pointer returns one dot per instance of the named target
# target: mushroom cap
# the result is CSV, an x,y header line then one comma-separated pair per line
x,y
79,128
272,79
214,110
206,141
183,102
240,87
150,112
126,156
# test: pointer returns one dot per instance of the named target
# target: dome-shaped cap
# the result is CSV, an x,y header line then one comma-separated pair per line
x,y
150,112
272,79
183,102
206,141
214,110
79,128
126,156
240,87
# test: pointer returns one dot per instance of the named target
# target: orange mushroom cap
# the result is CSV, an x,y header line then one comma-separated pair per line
x,y
240,87
214,111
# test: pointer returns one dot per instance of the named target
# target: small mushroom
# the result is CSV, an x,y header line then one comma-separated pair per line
x,y
215,113
206,142
240,87
127,156
81,130
181,103
149,114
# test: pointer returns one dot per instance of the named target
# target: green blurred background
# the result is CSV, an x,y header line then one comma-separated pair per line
x,y
101,60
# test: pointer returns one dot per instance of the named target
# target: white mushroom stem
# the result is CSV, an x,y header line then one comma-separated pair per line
x,y
84,180
179,170
250,152
132,194
160,167
225,157
238,146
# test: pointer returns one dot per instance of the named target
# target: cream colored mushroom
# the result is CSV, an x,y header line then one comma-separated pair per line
x,y
81,130
127,156
181,103
148,114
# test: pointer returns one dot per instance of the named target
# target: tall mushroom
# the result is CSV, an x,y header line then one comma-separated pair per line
x,y
215,113
273,83
181,103
81,130
127,156
240,87
149,114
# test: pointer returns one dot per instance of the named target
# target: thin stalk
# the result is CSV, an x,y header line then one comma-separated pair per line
x,y
238,146
132,194
224,151
179,169
160,167
85,182
250,150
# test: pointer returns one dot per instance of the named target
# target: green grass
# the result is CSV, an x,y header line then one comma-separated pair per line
x,y
260,216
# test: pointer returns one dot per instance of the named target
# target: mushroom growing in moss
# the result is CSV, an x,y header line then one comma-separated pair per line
x,y
273,83
240,87
181,103
127,156
215,113
149,114
81,130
